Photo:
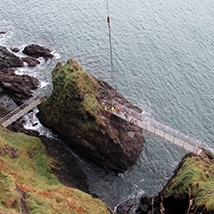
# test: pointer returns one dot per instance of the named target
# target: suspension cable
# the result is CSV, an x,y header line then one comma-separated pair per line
x,y
110,45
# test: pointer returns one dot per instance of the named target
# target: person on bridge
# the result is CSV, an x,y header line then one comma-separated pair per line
x,y
109,113
132,121
118,109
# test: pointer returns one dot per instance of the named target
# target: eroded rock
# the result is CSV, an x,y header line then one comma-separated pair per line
x,y
32,62
190,190
19,88
75,110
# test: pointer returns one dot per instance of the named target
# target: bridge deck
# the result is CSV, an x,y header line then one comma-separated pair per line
x,y
154,130
147,124
20,111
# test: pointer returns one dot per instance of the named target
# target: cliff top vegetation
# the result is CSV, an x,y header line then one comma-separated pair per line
x,y
27,183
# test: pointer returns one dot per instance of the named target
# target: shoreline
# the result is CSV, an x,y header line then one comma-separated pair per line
x,y
85,185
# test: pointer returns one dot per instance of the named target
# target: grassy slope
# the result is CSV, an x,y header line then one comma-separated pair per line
x,y
195,178
31,171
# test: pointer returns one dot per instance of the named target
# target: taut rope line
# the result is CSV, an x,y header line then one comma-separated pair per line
x,y
110,45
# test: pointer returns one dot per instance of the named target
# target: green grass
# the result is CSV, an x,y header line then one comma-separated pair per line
x,y
32,173
196,178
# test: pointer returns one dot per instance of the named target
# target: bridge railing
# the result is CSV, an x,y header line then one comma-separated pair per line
x,y
39,96
148,121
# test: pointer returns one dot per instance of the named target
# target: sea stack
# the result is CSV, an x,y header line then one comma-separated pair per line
x,y
76,109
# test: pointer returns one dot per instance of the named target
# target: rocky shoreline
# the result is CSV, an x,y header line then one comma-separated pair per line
x,y
192,180
15,90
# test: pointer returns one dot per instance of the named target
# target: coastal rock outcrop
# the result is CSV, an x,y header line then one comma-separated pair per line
x,y
190,190
8,59
32,62
18,88
76,110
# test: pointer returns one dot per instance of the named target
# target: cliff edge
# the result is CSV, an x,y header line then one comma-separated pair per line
x,y
28,184
190,190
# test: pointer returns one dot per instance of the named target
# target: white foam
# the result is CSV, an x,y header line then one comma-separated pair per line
x,y
43,84
56,55
33,123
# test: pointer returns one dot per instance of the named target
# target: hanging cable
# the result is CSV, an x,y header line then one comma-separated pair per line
x,y
110,45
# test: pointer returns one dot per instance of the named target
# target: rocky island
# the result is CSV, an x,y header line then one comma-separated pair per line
x,y
76,110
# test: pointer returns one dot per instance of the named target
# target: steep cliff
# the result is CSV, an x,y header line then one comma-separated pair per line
x,y
76,110
27,184
190,190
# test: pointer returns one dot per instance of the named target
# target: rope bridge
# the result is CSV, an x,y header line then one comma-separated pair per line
x,y
24,108
125,113
158,129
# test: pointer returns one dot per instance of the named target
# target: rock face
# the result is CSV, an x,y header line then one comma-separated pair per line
x,y
75,110
8,59
32,62
190,190
18,87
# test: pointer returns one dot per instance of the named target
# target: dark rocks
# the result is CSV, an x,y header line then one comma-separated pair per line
x,y
37,51
65,166
126,207
32,62
147,205
19,88
8,59
15,50
7,71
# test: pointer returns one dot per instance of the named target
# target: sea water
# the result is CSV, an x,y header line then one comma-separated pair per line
x,y
163,55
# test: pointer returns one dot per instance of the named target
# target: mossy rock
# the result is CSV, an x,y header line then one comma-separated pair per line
x,y
75,110
192,185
